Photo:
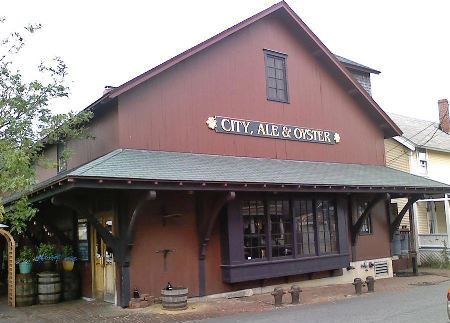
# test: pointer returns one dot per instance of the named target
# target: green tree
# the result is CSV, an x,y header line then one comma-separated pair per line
x,y
27,123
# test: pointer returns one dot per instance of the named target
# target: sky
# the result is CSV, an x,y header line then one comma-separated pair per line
x,y
109,42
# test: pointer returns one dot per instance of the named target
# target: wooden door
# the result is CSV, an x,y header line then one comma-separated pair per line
x,y
104,282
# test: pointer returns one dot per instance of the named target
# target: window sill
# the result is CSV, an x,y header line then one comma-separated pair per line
x,y
279,101
248,271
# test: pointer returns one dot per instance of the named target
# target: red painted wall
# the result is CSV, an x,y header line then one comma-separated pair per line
x,y
104,139
179,234
228,79
377,244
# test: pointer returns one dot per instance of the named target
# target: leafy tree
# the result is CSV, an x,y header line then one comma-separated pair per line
x,y
27,123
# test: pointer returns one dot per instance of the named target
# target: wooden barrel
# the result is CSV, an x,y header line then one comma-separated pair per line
x,y
49,287
71,285
25,290
174,299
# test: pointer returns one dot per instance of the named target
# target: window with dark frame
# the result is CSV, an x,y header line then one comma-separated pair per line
x,y
305,228
366,227
326,223
269,225
280,228
60,158
254,219
276,76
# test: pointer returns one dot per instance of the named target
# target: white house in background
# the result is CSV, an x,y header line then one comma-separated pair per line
x,y
424,150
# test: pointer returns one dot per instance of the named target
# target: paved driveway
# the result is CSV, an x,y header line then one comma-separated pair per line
x,y
422,304
401,299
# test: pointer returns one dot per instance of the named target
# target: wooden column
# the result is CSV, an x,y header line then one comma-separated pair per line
x,y
207,216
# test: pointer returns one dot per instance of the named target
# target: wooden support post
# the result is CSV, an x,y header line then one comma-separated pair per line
x,y
412,239
206,220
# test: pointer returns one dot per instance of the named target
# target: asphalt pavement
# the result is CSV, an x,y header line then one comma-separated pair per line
x,y
424,303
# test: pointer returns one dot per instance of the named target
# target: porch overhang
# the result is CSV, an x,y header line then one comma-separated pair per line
x,y
128,169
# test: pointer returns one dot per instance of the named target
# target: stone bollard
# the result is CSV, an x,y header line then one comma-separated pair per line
x,y
370,281
357,282
278,293
295,294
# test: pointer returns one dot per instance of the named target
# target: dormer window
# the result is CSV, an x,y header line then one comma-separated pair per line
x,y
276,76
60,158
422,160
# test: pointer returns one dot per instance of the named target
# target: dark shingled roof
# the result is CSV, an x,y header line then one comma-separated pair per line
x,y
352,64
176,166
422,133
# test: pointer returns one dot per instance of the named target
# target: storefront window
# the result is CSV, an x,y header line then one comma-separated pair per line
x,y
253,213
280,228
305,230
326,224
315,228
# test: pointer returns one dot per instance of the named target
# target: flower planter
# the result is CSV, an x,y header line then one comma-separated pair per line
x,y
68,265
25,267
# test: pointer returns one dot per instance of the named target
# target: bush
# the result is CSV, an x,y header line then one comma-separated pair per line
x,y
26,255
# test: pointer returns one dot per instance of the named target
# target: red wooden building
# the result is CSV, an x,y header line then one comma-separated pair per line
x,y
252,159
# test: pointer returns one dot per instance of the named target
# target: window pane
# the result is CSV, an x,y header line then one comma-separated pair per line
x,y
281,95
272,93
279,63
254,222
366,227
270,72
326,225
270,61
271,82
279,74
280,84
304,221
281,228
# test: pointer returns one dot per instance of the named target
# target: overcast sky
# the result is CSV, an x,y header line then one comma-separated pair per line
x,y
110,42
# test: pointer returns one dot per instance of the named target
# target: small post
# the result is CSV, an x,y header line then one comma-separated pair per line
x,y
278,293
370,281
295,294
357,282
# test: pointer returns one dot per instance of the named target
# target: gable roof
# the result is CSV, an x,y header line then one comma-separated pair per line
x,y
321,52
422,133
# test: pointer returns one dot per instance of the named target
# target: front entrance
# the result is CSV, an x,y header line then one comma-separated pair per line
x,y
104,280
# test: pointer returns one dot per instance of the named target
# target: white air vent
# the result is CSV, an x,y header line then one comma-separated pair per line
x,y
381,268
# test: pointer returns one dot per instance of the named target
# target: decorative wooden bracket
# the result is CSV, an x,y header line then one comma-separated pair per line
x,y
82,210
149,196
396,222
207,224
356,228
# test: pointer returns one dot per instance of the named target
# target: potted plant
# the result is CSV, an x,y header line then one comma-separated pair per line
x,y
68,259
25,260
46,255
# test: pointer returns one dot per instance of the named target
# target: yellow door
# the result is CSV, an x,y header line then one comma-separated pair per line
x,y
104,282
